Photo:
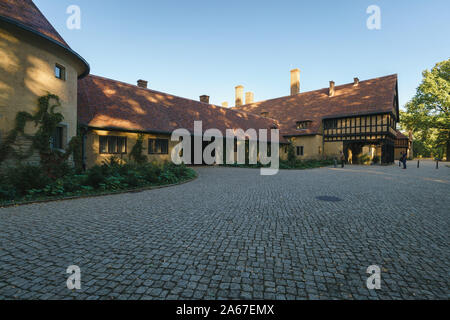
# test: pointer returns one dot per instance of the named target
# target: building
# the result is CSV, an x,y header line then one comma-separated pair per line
x,y
403,144
358,119
35,60
114,113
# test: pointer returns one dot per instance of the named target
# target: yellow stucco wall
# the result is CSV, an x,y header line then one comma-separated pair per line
x,y
93,156
27,72
312,146
333,149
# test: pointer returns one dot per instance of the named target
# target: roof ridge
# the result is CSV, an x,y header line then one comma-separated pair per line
x,y
317,90
179,97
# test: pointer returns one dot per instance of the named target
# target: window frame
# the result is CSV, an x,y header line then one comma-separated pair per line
x,y
107,146
59,131
302,149
303,125
158,151
62,72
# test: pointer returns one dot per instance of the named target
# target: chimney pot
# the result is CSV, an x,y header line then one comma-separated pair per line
x,y
249,97
204,98
331,90
355,81
295,82
239,96
142,84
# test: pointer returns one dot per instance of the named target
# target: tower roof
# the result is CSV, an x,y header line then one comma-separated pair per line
x,y
25,15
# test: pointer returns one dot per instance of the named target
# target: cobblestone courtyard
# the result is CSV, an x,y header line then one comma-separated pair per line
x,y
235,234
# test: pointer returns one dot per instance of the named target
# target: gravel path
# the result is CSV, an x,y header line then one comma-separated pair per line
x,y
235,234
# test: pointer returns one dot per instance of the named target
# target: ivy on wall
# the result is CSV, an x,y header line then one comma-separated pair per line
x,y
136,153
45,119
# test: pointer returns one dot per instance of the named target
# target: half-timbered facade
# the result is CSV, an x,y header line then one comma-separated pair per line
x,y
358,119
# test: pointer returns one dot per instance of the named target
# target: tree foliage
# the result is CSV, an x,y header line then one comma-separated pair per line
x,y
427,114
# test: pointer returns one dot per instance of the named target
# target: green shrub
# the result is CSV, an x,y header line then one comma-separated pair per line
x,y
30,182
73,183
151,173
7,191
95,176
26,177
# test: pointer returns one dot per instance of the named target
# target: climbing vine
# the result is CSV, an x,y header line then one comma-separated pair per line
x,y
291,153
136,153
46,120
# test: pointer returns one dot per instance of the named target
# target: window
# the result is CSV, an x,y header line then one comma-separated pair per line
x,y
265,114
303,125
113,145
57,139
60,72
330,124
158,146
300,151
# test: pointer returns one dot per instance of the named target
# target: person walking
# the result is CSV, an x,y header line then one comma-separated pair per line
x,y
403,159
342,159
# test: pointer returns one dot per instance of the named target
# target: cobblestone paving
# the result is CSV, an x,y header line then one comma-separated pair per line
x,y
233,234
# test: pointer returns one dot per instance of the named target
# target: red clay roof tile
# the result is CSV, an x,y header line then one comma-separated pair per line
x,y
26,13
369,97
106,103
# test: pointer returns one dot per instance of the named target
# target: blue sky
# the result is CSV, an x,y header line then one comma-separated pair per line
x,y
190,48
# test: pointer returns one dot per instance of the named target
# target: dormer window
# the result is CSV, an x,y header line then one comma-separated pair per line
x,y
60,72
265,114
303,125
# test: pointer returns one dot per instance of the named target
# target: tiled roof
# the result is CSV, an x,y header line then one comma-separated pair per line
x,y
26,13
368,97
110,104
401,136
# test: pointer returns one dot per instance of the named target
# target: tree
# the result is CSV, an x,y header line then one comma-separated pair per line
x,y
427,114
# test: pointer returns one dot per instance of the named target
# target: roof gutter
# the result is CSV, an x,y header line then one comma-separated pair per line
x,y
87,68
138,131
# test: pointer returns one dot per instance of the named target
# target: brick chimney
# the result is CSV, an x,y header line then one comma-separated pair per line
x,y
295,82
239,96
331,90
204,99
355,81
225,104
249,97
142,84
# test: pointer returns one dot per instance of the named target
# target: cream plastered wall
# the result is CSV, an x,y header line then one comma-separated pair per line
x,y
333,149
27,72
312,146
93,156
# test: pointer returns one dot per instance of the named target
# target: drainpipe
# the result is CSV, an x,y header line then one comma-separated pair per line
x,y
83,148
